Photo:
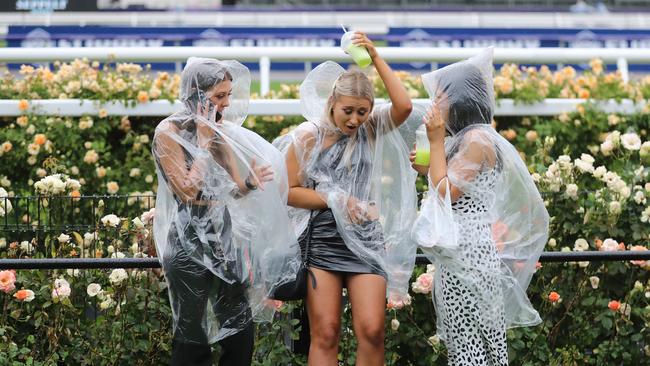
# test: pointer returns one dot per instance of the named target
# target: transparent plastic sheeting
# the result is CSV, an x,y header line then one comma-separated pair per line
x,y
367,172
500,221
223,245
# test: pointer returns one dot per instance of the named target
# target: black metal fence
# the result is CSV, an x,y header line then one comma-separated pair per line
x,y
39,220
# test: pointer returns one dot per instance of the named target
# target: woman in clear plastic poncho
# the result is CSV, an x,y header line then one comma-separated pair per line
x,y
221,227
480,190
351,183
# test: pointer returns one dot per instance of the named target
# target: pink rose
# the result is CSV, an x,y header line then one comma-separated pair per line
x,y
7,281
423,284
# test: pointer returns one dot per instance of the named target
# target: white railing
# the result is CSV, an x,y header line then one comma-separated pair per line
x,y
286,107
265,55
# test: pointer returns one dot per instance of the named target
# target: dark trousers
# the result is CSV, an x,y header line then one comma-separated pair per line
x,y
237,350
195,293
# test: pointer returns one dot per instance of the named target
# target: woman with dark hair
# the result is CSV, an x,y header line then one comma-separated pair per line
x,y
221,227
495,221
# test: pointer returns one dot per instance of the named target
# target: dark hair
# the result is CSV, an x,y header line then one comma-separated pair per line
x,y
206,82
470,101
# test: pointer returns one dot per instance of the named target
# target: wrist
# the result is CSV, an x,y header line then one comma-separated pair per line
x,y
249,185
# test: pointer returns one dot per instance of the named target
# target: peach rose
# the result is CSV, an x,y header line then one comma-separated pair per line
x,y
23,105
40,139
24,295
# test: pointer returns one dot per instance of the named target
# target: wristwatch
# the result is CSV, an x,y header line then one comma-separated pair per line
x,y
249,185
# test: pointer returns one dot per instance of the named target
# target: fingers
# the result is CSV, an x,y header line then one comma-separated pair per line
x,y
361,39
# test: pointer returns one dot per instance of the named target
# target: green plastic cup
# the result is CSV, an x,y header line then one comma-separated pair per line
x,y
359,54
422,149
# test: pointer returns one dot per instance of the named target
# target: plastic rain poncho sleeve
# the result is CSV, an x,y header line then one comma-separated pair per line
x,y
222,245
368,172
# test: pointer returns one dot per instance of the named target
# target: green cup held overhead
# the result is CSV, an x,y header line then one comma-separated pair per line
x,y
359,54
422,150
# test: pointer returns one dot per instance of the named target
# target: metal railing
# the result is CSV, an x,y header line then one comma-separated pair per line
x,y
31,216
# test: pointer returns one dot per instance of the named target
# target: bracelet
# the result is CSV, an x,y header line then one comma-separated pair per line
x,y
249,185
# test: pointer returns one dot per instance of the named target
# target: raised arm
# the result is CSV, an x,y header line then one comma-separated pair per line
x,y
401,102
473,154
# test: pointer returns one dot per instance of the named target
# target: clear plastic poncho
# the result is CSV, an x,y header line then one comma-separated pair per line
x,y
370,168
223,246
500,221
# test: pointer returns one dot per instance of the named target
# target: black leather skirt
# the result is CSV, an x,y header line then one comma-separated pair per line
x,y
328,251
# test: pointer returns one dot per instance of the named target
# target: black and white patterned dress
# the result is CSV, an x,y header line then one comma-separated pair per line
x,y
468,294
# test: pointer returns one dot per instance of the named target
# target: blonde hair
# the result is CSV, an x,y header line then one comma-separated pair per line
x,y
352,83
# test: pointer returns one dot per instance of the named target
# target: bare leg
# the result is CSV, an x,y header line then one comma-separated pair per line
x,y
367,294
324,309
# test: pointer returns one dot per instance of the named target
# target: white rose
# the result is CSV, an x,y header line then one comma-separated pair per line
x,y
148,178
631,141
594,282
26,246
107,303
639,197
394,324
61,289
600,172
581,245
89,238
607,147
615,207
584,166
552,243
72,184
93,289
434,340
609,245
572,191
3,243
118,254
63,238
118,276
138,223
110,220
135,172
73,272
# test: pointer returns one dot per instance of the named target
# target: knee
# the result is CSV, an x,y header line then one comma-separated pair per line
x,y
325,333
372,334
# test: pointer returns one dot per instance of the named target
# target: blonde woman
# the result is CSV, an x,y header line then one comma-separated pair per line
x,y
352,200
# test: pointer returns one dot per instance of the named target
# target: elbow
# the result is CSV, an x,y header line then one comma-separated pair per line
x,y
291,197
408,107
404,110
